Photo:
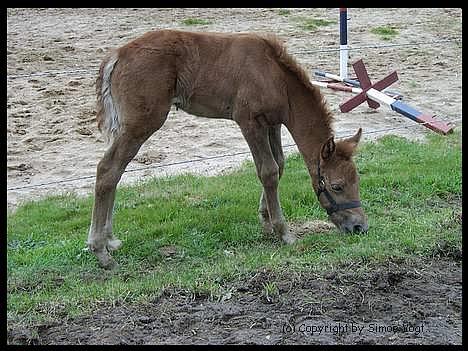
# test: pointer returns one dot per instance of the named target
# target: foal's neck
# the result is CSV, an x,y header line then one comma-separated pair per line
x,y
309,124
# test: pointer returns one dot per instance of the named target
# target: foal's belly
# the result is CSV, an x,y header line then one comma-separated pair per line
x,y
204,106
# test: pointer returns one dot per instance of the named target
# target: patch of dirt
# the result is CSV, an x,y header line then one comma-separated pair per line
x,y
51,125
315,226
417,302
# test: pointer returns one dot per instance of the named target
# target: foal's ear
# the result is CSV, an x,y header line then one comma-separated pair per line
x,y
328,149
354,140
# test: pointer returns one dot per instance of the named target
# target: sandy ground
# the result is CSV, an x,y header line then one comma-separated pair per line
x,y
51,128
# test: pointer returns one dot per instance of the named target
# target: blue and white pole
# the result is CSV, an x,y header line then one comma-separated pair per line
x,y
427,120
343,43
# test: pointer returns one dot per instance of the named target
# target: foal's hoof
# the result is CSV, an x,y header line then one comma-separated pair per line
x,y
107,262
289,238
109,265
267,229
105,259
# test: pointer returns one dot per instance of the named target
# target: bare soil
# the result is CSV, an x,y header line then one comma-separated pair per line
x,y
417,302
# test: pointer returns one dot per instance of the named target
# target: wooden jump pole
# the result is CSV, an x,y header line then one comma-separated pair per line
x,y
336,86
323,74
348,81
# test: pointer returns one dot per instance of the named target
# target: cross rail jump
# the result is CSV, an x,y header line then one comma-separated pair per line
x,y
374,94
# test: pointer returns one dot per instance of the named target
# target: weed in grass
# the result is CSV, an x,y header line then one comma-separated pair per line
x,y
270,292
220,293
25,244
451,249
195,22
385,32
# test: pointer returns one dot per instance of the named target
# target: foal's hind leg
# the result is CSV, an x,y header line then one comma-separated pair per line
x,y
101,241
109,171
274,134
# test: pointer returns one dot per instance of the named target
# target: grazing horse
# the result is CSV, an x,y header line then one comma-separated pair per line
x,y
248,78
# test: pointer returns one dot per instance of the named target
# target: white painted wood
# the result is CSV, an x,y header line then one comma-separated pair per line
x,y
380,97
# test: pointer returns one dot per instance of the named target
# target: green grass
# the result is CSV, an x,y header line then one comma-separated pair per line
x,y
385,32
284,12
195,22
312,24
413,84
410,191
270,291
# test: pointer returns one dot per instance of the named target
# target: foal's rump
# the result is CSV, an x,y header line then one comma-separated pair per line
x,y
135,85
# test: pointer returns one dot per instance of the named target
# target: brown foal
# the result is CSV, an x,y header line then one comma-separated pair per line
x,y
248,78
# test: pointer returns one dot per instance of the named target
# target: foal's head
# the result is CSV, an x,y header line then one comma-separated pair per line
x,y
337,184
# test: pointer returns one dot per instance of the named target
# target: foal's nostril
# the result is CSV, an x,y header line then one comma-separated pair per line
x,y
357,228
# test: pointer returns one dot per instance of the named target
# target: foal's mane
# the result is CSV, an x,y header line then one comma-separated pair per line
x,y
280,52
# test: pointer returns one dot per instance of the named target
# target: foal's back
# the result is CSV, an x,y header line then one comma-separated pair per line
x,y
206,74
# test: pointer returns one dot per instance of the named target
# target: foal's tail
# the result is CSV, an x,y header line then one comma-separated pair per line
x,y
107,112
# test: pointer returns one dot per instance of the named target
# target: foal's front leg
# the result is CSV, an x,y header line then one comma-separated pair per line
x,y
277,220
268,173
274,134
264,215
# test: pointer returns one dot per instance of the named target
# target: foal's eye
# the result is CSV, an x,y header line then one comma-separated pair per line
x,y
337,187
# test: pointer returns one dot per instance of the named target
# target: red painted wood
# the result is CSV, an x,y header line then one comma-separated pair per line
x,y
364,80
436,126
362,75
338,86
351,103
366,84
386,82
